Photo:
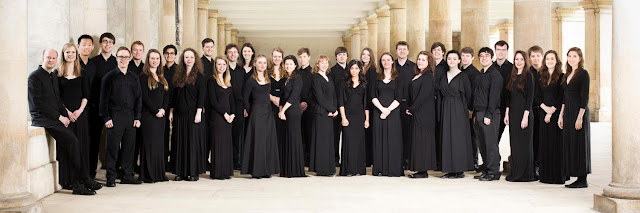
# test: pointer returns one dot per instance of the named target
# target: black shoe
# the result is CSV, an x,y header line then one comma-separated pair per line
x,y
256,177
419,175
577,185
80,189
457,175
479,176
67,186
92,184
227,177
111,183
165,178
193,178
129,180
489,177
148,181
178,178
447,176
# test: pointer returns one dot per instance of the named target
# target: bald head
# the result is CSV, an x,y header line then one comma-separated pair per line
x,y
49,59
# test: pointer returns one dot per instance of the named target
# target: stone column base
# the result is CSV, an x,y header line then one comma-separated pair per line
x,y
24,202
606,204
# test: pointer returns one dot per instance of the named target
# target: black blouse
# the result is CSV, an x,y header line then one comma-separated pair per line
x,y
153,99
353,98
190,97
255,93
72,91
422,100
551,95
292,91
221,100
324,95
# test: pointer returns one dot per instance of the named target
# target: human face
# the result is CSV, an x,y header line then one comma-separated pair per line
x,y
276,57
550,61
422,62
573,59
85,46
106,44
323,65
519,61
154,60
123,57
70,55
437,53
221,66
366,57
232,54
49,59
208,49
342,58
137,51
289,65
189,58
485,59
304,59
466,58
536,59
170,55
354,70
402,51
387,61
453,60
501,52
247,53
261,64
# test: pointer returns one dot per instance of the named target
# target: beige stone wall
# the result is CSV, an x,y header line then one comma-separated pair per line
x,y
317,46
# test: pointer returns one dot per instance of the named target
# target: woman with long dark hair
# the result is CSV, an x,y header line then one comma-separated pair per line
x,y
155,102
371,75
321,157
189,132
549,96
352,100
422,110
576,134
291,154
519,112
221,102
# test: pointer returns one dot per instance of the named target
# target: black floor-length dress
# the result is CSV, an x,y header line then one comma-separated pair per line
x,y
189,137
291,150
372,77
152,159
454,98
576,143
423,139
521,140
72,91
387,133
277,89
260,156
220,102
354,101
550,144
321,156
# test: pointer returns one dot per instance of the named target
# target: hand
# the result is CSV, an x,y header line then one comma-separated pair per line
x,y
524,123
70,115
561,122
579,124
226,117
282,116
77,113
231,117
506,120
345,122
487,121
383,116
275,101
331,114
246,114
109,124
136,123
385,111
303,106
335,113
64,120
366,124
547,118
408,113
198,118
470,114
159,114
553,109
170,117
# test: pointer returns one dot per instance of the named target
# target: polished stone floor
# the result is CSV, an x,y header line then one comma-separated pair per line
x,y
349,194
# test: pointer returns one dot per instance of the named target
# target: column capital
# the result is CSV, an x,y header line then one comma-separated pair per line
x,y
228,26
234,32
346,39
562,13
355,31
221,20
383,12
504,26
596,4
213,13
363,26
203,4
372,19
397,4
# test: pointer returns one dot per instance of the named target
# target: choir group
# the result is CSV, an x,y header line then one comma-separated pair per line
x,y
277,114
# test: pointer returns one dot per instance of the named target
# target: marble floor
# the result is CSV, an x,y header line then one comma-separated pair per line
x,y
349,194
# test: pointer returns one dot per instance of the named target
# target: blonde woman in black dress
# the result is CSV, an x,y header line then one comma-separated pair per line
x,y
322,157
221,117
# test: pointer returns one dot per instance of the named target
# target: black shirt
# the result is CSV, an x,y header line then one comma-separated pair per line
x,y
208,67
337,76
45,104
120,92
135,69
441,70
307,80
237,81
505,71
472,73
169,72
88,71
102,67
487,91
406,73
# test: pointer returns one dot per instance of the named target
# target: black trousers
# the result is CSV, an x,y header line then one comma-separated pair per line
x,y
405,121
307,121
503,110
167,132
237,132
337,129
121,135
488,141
95,132
68,145
474,142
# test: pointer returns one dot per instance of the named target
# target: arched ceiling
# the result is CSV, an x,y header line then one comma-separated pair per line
x,y
329,18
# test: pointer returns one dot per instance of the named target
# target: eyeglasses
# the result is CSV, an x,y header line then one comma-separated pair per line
x,y
123,57
107,42
170,53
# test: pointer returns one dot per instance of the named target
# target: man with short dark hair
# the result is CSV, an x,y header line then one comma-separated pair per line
x,y
535,57
48,111
406,71
207,57
504,67
237,83
169,52
437,51
472,72
304,56
337,75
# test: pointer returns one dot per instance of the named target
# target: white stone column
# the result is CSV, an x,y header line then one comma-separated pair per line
x,y
372,24
532,24
234,36
416,27
221,35
142,22
14,184
623,193
384,36
398,27
347,44
597,53
95,21
355,44
440,23
213,29
167,24
364,36
203,21
240,42
189,25
475,26
504,30
227,34
556,30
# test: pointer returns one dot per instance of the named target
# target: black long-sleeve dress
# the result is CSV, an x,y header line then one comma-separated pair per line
x,y
260,156
454,98
220,102
291,150
188,138
423,139
152,159
372,77
576,143
354,101
387,133
550,144
521,140
72,91
277,89
321,156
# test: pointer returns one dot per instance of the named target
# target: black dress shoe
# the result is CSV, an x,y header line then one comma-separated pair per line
x,y
67,186
92,184
256,177
577,185
130,180
193,178
178,178
111,183
419,175
489,177
165,178
479,176
447,176
457,176
80,189
227,177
